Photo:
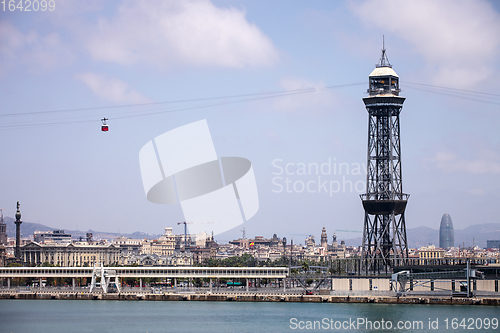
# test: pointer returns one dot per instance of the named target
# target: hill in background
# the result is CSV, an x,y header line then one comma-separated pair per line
x,y
417,237
423,236
28,229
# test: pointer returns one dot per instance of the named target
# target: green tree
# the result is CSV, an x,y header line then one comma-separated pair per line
x,y
14,264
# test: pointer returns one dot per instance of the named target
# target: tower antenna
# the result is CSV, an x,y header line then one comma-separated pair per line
x,y
384,61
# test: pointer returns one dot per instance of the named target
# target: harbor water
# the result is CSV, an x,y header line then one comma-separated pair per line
x,y
163,316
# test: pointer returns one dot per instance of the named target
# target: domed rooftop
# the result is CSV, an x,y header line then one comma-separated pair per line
x,y
383,71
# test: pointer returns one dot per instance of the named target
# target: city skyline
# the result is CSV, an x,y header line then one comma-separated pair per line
x,y
475,235
318,57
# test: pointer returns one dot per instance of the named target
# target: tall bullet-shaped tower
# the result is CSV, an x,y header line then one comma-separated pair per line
x,y
384,233
446,233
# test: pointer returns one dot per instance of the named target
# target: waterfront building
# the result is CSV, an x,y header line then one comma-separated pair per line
x,y
336,251
181,259
446,234
493,244
160,248
176,259
143,260
128,245
429,255
205,252
54,236
163,246
71,255
11,246
310,243
259,241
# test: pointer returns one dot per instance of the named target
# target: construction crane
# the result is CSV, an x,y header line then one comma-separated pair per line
x,y
349,232
185,234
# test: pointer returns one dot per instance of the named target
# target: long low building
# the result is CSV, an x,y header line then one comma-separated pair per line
x,y
148,272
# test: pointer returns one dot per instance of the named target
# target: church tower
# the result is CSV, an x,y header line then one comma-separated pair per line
x,y
324,238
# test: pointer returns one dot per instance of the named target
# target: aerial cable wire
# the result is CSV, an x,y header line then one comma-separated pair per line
x,y
131,114
461,95
230,102
273,93
226,100
454,89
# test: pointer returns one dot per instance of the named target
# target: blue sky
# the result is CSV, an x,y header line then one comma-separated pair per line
x,y
89,54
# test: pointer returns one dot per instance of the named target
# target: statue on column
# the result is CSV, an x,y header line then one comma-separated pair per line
x,y
18,214
18,234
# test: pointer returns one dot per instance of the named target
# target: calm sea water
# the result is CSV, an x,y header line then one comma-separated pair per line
x,y
158,316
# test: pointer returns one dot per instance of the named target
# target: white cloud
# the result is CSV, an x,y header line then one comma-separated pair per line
x,y
487,161
168,33
271,135
34,52
458,38
111,89
477,191
301,100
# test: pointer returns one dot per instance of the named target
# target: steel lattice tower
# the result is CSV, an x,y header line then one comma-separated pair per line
x,y
384,234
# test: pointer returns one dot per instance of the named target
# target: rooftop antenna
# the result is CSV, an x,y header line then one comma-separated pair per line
x,y
244,234
384,61
1,214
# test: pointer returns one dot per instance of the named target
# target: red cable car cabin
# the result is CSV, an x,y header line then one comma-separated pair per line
x,y
104,127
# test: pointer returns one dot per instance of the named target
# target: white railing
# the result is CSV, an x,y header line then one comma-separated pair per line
x,y
182,272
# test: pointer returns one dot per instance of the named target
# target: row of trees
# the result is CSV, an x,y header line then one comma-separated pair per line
x,y
245,260
336,266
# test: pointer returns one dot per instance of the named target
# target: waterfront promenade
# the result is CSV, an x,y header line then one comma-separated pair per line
x,y
260,284
263,295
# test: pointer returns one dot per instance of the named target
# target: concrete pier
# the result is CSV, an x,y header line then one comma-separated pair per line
x,y
249,297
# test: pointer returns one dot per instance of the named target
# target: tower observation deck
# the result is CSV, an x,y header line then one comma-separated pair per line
x,y
384,233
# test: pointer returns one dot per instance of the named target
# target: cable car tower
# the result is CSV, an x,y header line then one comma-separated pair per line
x,y
384,233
